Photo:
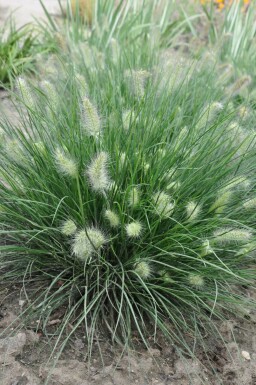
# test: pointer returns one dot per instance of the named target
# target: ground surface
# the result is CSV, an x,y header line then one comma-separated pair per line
x,y
23,355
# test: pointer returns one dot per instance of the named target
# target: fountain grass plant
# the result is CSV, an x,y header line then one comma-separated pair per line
x,y
128,196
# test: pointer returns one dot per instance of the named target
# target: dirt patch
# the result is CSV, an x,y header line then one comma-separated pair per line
x,y
24,357
24,12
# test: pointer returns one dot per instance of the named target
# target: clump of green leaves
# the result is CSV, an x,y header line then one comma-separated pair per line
x,y
18,48
135,193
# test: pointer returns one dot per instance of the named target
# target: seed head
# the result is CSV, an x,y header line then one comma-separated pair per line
x,y
82,248
146,167
88,242
113,218
137,81
134,197
143,269
228,235
51,94
206,248
221,202
134,229
96,237
193,211
250,204
13,150
40,147
81,83
236,182
209,113
68,227
98,174
65,164
196,280
2,137
91,119
175,185
128,117
25,92
239,85
123,158
164,204
115,49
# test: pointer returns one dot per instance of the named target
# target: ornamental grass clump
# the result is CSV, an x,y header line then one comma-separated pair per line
x,y
134,247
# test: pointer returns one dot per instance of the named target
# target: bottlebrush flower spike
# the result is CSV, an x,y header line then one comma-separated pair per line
x,y
164,204
51,94
68,227
113,218
137,81
196,280
221,202
193,211
24,91
128,117
228,235
88,242
206,248
98,173
143,269
134,197
90,119
250,204
134,229
81,247
65,164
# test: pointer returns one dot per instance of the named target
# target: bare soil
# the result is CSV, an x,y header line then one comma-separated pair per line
x,y
24,354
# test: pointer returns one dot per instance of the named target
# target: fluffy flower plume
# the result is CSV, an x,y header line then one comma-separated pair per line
x,y
143,269
24,91
239,85
40,147
98,173
193,211
175,185
137,81
128,118
81,82
134,197
180,137
91,119
2,137
206,248
196,280
123,158
13,150
250,204
227,235
221,202
113,218
134,229
239,181
68,227
51,94
88,242
164,204
209,113
65,164
96,237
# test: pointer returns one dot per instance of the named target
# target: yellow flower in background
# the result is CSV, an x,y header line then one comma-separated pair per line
x,y
220,4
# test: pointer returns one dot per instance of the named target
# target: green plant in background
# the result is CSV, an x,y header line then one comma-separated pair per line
x,y
130,199
18,50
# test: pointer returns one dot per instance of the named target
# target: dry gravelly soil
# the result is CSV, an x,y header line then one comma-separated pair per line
x,y
24,353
